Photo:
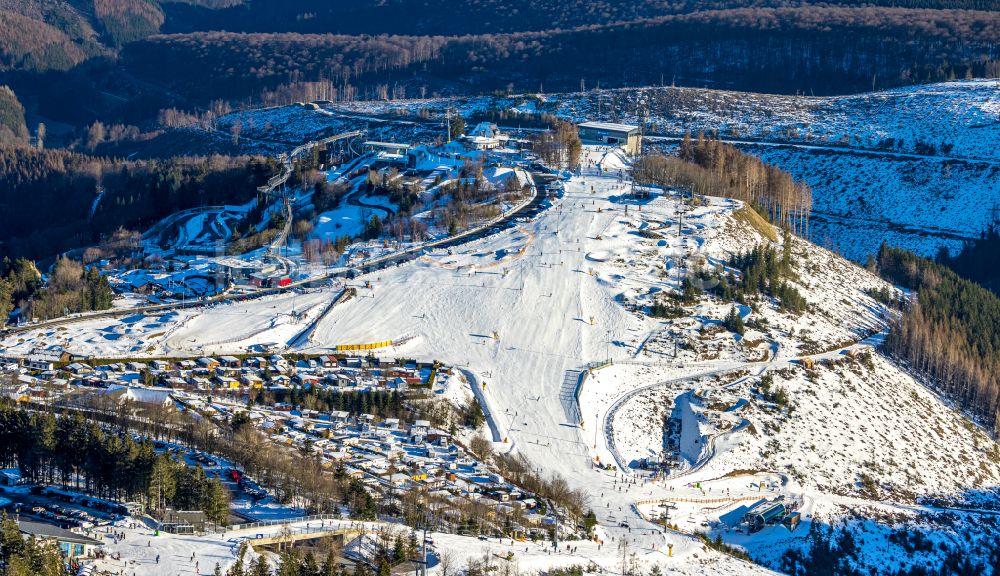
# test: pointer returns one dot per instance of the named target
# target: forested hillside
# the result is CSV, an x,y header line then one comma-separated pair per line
x,y
712,168
79,198
267,50
978,259
815,49
78,452
950,332
128,20
34,46
12,127
446,17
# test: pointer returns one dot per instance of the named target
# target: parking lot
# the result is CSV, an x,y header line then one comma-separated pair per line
x,y
62,508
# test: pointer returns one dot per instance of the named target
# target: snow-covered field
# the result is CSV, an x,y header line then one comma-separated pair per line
x,y
144,552
347,220
860,199
218,328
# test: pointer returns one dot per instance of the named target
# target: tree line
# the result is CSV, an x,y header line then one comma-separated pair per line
x,y
72,451
560,145
381,403
125,21
784,49
771,46
70,289
13,129
388,549
291,476
949,331
708,167
441,17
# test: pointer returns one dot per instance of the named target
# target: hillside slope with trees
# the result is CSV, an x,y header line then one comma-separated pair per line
x,y
978,259
949,331
81,198
115,60
712,168
445,17
13,129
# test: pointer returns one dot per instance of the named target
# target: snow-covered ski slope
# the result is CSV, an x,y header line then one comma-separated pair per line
x,y
526,310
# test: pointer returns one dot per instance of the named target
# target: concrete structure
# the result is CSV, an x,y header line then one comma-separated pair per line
x,y
624,135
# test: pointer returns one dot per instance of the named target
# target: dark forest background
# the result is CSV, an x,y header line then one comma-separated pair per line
x,y
122,61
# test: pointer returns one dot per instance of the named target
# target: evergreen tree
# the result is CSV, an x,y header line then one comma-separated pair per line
x,y
734,322
330,565
950,332
215,502
20,557
260,567
162,483
456,126
308,567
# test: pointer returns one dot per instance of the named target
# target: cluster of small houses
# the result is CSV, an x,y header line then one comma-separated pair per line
x,y
47,371
391,456
275,372
388,456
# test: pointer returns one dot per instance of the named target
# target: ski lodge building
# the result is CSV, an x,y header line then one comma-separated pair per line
x,y
609,133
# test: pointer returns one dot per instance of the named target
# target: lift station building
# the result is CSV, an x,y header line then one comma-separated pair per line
x,y
610,133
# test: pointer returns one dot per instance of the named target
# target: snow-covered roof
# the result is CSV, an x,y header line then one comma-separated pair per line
x,y
610,126
148,396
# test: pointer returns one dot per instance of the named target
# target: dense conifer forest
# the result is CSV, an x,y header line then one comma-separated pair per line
x,y
978,259
75,452
13,129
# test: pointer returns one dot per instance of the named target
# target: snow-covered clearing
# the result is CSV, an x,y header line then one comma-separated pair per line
x,y
346,220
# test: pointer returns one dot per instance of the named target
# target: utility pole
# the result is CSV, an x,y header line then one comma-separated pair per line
x,y
423,554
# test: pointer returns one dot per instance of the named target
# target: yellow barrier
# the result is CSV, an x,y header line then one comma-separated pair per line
x,y
371,346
